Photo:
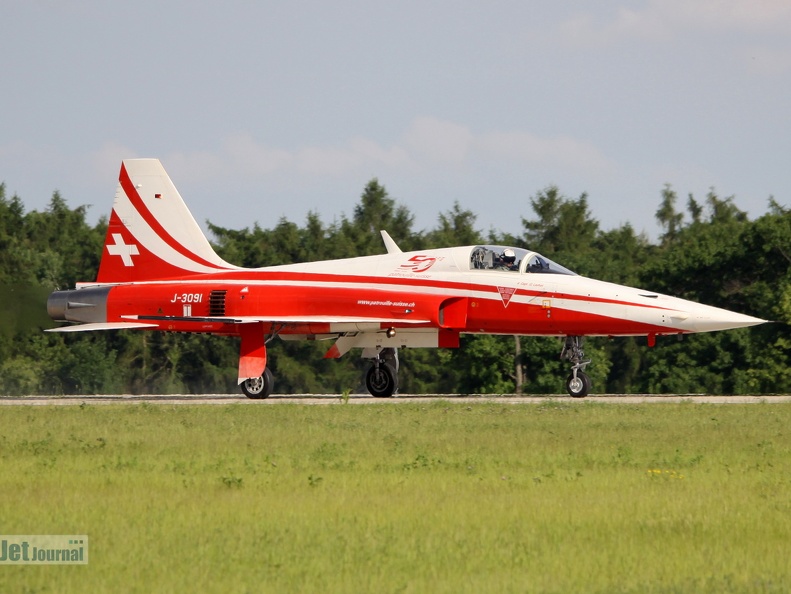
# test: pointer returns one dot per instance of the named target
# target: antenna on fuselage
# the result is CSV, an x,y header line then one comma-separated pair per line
x,y
392,247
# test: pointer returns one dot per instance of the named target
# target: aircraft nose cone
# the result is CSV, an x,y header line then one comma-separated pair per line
x,y
706,319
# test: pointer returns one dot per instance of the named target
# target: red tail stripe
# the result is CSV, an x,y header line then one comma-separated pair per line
x,y
137,202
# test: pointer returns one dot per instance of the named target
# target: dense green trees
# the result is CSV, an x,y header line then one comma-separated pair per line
x,y
711,253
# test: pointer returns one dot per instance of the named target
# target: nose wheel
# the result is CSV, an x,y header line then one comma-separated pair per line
x,y
382,377
578,383
381,380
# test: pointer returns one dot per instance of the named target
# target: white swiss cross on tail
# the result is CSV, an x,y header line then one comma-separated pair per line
x,y
121,248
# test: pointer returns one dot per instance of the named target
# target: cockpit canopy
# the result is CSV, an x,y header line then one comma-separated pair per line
x,y
512,259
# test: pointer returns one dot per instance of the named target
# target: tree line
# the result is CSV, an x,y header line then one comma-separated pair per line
x,y
709,251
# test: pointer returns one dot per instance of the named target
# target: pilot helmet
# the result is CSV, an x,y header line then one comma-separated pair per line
x,y
509,256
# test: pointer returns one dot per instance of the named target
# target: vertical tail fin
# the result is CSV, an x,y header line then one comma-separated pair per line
x,y
152,234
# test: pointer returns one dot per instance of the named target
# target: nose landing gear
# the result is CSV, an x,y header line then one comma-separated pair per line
x,y
382,378
578,383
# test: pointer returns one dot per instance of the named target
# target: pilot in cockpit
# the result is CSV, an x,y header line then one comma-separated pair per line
x,y
507,260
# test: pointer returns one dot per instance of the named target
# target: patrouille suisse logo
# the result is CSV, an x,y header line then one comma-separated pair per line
x,y
505,294
418,264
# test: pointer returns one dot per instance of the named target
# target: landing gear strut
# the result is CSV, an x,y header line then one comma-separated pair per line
x,y
382,378
259,388
578,383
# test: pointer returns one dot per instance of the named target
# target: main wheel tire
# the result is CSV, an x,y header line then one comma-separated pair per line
x,y
259,388
580,386
381,380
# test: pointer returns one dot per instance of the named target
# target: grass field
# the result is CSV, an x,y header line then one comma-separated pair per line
x,y
556,497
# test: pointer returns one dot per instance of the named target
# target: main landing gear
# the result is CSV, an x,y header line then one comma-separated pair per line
x,y
381,380
259,388
382,377
578,383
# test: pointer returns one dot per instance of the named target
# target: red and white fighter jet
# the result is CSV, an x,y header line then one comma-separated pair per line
x,y
159,272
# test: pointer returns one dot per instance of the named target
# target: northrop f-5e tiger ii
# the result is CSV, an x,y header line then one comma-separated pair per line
x,y
159,272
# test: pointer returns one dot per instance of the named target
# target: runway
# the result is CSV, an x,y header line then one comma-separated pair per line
x,y
330,399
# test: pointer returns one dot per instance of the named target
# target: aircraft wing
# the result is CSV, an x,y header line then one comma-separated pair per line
x,y
101,326
151,321
275,320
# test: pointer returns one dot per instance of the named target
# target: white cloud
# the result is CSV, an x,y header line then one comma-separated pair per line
x,y
556,153
664,19
198,166
356,155
744,15
327,161
109,157
427,145
373,153
438,141
242,153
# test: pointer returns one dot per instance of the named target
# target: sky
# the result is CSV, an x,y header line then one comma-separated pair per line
x,y
261,110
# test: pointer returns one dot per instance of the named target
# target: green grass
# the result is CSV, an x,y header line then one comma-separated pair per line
x,y
556,497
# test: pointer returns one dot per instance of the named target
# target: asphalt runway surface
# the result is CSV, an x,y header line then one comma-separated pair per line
x,y
318,399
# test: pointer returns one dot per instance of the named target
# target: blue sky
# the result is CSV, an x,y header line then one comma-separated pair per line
x,y
262,110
